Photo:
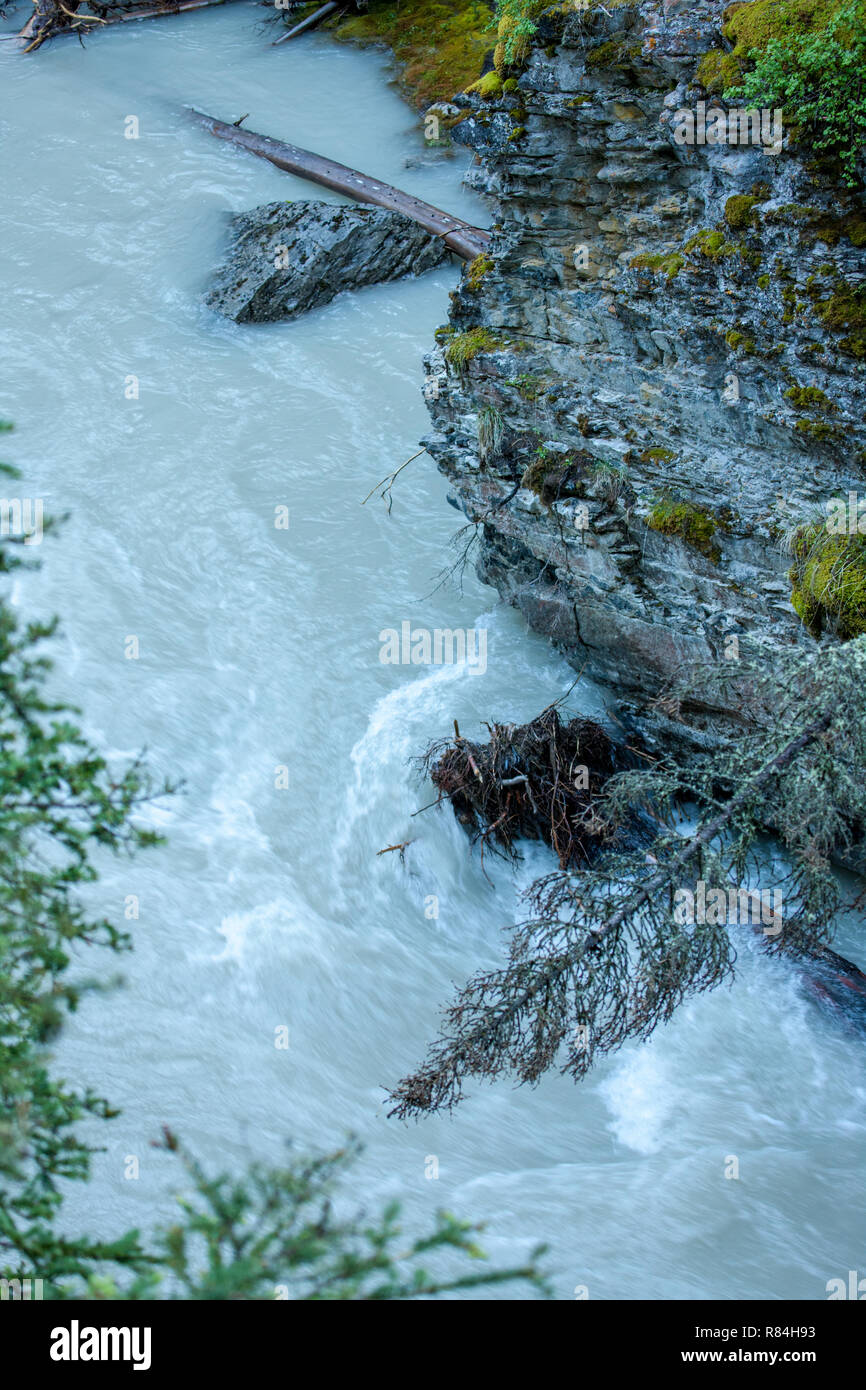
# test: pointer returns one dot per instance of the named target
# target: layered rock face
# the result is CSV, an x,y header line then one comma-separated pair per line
x,y
286,258
661,369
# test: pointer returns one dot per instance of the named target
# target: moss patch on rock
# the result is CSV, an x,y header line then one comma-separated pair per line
x,y
843,313
697,528
739,342
489,86
718,70
475,272
439,45
669,265
752,27
657,455
739,211
462,347
713,244
828,580
809,398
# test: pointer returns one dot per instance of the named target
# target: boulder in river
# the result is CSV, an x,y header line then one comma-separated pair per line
x,y
289,257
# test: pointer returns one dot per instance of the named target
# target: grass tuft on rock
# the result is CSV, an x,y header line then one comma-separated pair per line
x,y
828,578
464,346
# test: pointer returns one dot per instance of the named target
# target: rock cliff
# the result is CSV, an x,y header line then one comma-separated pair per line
x,y
659,373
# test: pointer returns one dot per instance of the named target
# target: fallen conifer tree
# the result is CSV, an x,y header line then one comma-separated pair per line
x,y
610,951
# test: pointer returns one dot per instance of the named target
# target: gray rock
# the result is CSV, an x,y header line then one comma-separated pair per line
x,y
672,369
289,257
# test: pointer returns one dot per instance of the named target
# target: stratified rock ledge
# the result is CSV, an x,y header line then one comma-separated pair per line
x,y
289,257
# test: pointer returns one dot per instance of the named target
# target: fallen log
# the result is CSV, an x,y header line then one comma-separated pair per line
x,y
309,23
49,18
459,236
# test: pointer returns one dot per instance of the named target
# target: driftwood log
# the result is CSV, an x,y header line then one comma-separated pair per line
x,y
311,21
459,236
53,17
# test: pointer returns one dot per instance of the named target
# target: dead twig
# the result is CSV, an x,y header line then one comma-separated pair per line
x,y
389,479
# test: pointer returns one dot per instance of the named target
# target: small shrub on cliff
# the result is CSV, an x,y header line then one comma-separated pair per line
x,y
515,26
810,61
609,482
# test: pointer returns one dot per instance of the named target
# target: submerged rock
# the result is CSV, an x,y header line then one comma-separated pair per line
x,y
289,257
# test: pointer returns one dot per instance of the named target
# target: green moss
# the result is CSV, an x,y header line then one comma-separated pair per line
x,y
819,430
670,264
854,227
439,45
657,455
763,282
488,86
736,340
751,28
713,244
718,70
844,312
464,346
821,224
739,211
828,580
527,386
809,397
616,53
604,54
517,132
793,212
511,84
678,518
475,272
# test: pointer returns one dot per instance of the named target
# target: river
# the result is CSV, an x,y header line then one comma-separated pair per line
x,y
258,650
